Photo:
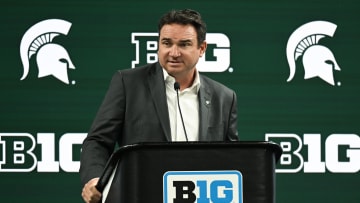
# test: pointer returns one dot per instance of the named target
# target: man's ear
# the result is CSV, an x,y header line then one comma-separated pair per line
x,y
203,47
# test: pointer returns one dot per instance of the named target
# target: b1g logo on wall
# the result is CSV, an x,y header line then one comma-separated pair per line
x,y
147,46
318,60
18,152
340,153
51,58
203,187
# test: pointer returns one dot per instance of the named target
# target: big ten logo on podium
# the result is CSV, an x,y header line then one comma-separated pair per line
x,y
202,187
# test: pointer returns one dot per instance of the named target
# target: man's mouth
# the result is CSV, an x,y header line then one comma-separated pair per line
x,y
174,62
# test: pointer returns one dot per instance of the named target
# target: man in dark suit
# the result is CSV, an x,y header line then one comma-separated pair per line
x,y
141,104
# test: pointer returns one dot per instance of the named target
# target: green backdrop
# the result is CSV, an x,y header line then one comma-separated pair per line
x,y
316,118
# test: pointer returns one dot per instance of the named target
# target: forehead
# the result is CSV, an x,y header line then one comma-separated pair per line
x,y
178,32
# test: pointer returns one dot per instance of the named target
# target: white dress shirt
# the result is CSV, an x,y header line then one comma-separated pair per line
x,y
189,104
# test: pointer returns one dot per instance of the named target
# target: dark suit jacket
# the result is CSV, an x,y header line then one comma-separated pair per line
x,y
135,110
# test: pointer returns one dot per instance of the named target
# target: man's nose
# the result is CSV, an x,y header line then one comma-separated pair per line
x,y
174,51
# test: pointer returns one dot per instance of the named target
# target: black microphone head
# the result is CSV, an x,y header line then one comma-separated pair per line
x,y
176,86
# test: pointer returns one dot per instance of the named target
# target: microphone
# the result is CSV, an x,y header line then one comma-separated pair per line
x,y
177,87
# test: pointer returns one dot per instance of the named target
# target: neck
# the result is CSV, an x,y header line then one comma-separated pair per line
x,y
187,80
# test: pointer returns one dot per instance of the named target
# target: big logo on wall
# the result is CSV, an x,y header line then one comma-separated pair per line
x,y
318,60
51,58
147,46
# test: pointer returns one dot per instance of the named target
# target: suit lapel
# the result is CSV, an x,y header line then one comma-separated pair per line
x,y
204,108
158,93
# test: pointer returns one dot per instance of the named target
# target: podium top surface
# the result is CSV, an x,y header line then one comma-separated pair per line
x,y
202,145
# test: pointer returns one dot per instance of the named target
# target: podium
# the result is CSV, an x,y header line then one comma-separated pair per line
x,y
234,172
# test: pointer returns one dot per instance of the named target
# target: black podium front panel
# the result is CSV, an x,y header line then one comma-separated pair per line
x,y
139,177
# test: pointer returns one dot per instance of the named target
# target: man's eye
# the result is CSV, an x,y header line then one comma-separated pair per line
x,y
166,43
185,44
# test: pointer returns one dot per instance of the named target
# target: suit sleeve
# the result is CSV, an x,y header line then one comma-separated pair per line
x,y
104,132
232,134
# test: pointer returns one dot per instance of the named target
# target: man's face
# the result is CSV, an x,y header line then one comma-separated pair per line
x,y
178,49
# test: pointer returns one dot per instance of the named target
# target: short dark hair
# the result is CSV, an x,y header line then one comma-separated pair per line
x,y
185,17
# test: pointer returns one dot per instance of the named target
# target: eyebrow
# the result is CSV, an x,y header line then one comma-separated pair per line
x,y
185,40
181,41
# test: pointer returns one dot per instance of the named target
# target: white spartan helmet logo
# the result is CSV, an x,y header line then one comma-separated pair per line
x,y
318,60
51,58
